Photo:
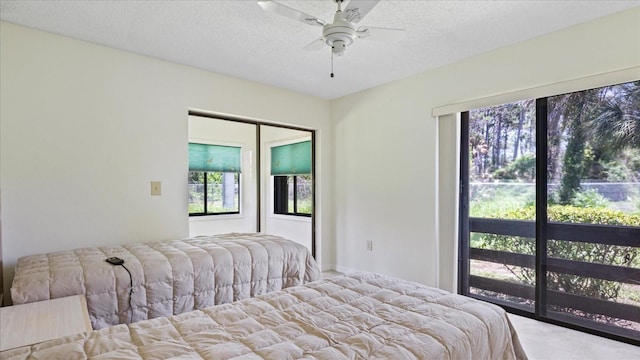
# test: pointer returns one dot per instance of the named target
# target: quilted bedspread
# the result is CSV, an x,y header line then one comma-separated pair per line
x,y
360,316
169,277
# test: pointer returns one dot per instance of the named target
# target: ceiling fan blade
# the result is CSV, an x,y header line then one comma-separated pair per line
x,y
378,33
316,45
358,9
272,6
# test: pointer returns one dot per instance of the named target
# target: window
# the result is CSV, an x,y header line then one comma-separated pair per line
x,y
292,185
550,208
214,179
292,195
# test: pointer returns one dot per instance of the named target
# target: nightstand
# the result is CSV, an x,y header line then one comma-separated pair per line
x,y
39,321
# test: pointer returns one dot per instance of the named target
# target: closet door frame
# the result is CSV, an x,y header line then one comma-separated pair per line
x,y
258,125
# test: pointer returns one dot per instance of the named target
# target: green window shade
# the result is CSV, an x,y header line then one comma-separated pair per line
x,y
214,158
291,159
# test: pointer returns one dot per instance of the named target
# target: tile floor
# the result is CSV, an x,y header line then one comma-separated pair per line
x,y
542,341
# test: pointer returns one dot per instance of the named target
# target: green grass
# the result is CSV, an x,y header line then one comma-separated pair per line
x,y
195,208
304,206
486,202
198,208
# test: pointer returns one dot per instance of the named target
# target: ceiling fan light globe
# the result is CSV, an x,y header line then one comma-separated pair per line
x,y
339,48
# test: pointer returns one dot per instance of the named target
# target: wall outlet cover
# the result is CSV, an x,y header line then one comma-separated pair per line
x,y
156,188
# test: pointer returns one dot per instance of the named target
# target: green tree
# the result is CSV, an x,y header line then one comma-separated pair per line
x,y
599,125
576,108
617,126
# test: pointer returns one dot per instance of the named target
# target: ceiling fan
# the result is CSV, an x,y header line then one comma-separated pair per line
x,y
341,32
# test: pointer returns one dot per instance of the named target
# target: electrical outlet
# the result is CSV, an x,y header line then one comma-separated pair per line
x,y
370,245
156,188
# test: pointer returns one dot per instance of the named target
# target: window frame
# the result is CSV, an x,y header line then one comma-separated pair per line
x,y
281,196
205,183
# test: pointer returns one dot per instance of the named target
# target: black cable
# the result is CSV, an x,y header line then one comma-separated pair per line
x,y
117,261
130,292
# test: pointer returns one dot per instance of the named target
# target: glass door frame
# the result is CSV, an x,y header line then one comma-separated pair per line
x,y
543,229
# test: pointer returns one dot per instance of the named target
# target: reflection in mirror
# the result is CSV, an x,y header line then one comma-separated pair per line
x,y
222,176
262,179
286,158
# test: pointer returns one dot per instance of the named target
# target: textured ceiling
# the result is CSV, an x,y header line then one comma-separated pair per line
x,y
238,38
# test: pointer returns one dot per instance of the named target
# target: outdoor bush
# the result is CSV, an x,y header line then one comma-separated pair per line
x,y
617,172
589,199
523,168
585,252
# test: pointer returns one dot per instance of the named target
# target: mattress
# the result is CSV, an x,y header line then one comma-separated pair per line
x,y
167,277
360,316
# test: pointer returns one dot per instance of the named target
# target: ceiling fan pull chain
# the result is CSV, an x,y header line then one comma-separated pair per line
x,y
332,63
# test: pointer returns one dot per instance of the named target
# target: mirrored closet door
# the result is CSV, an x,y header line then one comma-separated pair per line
x,y
247,176
286,160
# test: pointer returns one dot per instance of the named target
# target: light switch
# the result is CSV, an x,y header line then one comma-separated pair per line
x,y
156,188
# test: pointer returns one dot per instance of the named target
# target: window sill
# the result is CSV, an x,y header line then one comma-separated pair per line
x,y
215,217
305,219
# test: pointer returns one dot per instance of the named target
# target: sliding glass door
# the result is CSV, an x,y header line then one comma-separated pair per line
x,y
500,188
593,209
550,208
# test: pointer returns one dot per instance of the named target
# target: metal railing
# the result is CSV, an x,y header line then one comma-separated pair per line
x,y
582,233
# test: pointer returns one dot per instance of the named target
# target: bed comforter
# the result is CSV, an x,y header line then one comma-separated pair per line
x,y
169,277
361,316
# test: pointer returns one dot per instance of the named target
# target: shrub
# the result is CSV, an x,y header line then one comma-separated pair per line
x,y
523,168
589,199
585,252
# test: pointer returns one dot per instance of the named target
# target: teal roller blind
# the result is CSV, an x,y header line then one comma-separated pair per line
x,y
291,159
214,158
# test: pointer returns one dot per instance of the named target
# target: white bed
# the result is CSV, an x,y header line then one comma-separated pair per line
x,y
360,316
169,277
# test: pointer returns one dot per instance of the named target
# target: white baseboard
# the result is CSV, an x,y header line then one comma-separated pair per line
x,y
346,270
328,267
339,268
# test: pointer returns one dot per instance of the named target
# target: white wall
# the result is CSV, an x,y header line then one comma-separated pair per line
x,y
85,128
205,130
386,143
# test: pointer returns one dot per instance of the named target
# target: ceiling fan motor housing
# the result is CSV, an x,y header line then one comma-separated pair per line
x,y
339,35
